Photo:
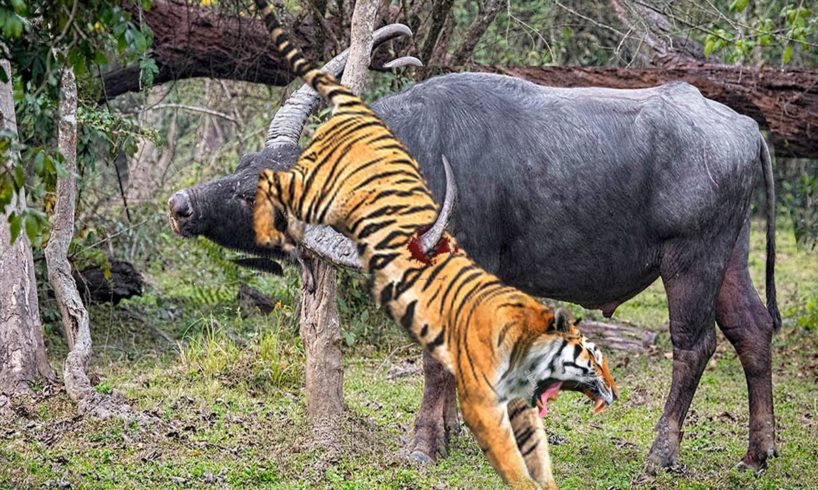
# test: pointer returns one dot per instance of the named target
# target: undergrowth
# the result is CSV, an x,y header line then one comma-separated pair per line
x,y
225,385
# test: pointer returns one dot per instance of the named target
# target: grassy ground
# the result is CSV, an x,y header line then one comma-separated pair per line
x,y
227,392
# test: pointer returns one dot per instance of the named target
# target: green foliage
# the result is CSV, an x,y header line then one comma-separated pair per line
x,y
780,28
41,39
269,360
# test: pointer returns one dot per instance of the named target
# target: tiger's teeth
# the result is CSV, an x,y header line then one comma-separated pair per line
x,y
599,406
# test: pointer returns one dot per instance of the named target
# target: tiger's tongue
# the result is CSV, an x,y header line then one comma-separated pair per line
x,y
549,394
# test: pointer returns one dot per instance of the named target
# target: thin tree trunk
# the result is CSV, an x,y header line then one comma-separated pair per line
x,y
320,325
360,45
320,329
440,11
22,352
72,311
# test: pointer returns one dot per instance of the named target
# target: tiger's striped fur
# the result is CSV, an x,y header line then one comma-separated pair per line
x,y
509,353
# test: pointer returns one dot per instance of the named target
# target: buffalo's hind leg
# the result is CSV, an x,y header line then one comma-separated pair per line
x,y
437,418
691,282
749,327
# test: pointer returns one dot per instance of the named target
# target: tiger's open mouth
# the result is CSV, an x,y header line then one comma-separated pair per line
x,y
547,390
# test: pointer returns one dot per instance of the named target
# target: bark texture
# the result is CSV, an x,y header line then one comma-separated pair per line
x,y
22,352
477,28
783,102
72,312
320,329
363,21
619,336
320,326
203,42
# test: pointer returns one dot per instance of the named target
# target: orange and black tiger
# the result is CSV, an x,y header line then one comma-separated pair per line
x,y
509,353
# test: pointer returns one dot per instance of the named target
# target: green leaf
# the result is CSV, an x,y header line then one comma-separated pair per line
x,y
4,77
14,226
19,176
39,163
32,227
139,40
739,5
787,54
709,46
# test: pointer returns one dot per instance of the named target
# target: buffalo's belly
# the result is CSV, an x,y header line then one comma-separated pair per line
x,y
594,275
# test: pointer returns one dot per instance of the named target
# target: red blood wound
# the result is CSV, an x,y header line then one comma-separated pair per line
x,y
442,246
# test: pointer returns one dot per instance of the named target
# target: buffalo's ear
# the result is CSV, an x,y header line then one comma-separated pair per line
x,y
562,320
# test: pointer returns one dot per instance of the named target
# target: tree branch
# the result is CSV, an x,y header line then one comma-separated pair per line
x,y
475,31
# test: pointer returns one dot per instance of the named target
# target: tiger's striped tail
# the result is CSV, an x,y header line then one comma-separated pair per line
x,y
323,83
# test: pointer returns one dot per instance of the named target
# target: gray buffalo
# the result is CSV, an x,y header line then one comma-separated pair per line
x,y
584,195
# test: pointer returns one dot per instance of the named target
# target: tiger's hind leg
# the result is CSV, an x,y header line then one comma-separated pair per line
x,y
532,442
488,420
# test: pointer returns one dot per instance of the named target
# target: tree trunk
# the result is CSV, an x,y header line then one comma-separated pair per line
x,y
72,311
320,326
190,41
476,30
320,330
783,102
360,45
22,352
440,12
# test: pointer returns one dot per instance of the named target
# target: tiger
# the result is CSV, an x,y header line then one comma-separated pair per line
x,y
509,353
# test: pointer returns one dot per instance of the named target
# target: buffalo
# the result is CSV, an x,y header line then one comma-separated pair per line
x,y
586,195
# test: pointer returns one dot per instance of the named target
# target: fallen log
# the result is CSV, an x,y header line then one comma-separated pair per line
x,y
123,282
628,338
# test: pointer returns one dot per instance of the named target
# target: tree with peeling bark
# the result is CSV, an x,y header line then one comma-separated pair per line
x,y
320,326
22,353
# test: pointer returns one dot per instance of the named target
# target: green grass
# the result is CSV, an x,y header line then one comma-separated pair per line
x,y
227,393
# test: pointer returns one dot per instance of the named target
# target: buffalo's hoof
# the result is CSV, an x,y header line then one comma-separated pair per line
x,y
757,463
659,460
421,458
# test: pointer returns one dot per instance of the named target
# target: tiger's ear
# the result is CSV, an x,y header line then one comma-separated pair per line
x,y
562,320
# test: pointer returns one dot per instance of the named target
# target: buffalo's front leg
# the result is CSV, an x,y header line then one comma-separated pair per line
x,y
691,296
437,418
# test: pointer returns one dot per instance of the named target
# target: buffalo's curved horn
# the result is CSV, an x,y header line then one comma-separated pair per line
x,y
334,247
432,236
287,124
401,62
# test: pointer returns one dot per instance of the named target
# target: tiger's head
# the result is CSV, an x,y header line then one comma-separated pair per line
x,y
272,224
577,365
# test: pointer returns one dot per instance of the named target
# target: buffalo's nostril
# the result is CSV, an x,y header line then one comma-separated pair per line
x,y
180,206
